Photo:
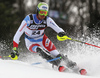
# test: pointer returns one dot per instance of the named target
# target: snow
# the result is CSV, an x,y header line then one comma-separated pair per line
x,y
85,56
19,69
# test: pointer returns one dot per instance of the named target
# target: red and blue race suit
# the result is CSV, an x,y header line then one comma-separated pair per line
x,y
34,33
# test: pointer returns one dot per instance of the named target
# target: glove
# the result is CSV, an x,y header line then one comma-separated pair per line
x,y
62,36
15,54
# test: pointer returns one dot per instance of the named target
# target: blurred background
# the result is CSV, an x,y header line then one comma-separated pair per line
x,y
79,18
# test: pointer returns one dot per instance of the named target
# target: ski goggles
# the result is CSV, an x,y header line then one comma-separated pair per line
x,y
42,12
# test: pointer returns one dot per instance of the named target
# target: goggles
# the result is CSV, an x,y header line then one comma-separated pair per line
x,y
42,12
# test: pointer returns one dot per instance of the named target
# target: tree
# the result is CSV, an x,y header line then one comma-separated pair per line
x,y
21,9
94,13
8,19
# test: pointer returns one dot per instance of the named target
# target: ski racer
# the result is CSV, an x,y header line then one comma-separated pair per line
x,y
36,41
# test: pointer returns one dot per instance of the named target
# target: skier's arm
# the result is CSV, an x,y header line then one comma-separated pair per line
x,y
61,33
53,25
19,32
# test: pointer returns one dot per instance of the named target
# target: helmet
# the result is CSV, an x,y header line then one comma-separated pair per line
x,y
43,6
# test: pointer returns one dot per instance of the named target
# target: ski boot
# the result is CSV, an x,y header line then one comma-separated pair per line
x,y
71,65
65,63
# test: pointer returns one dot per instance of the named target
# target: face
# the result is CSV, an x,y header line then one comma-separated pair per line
x,y
41,17
42,14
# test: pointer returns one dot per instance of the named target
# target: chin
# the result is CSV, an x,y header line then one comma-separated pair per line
x,y
42,18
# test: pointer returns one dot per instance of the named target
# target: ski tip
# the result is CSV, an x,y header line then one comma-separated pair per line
x,y
83,72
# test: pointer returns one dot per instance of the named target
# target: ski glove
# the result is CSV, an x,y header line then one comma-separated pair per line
x,y
15,54
62,36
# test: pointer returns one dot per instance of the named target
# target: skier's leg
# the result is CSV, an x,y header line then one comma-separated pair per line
x,y
47,55
50,48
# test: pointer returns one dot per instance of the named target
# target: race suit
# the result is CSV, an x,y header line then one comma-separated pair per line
x,y
34,33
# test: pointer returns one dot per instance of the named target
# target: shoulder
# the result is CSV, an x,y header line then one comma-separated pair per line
x,y
49,19
27,18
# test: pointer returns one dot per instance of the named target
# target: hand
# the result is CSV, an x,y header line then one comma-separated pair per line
x,y
15,54
62,36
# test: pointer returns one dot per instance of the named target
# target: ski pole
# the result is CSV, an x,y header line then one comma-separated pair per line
x,y
46,61
84,43
5,56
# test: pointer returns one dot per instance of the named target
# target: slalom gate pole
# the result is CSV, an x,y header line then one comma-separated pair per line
x,y
46,61
84,43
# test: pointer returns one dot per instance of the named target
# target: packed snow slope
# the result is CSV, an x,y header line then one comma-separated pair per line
x,y
19,69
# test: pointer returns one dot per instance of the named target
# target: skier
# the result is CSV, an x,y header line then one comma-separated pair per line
x,y
36,41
